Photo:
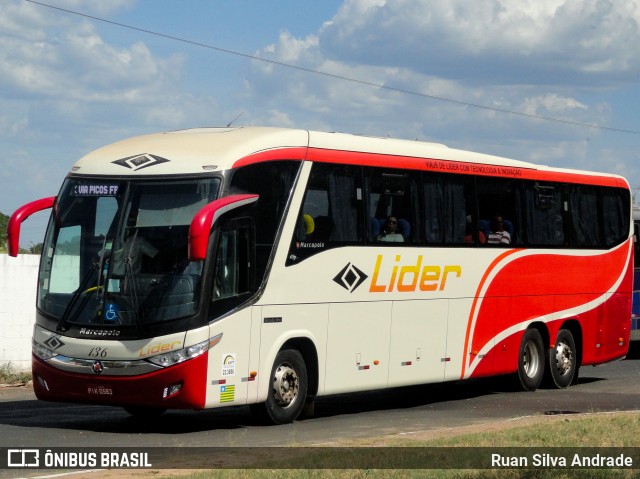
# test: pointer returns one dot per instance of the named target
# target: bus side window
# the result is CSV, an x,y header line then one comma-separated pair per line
x,y
546,215
585,217
272,182
615,213
449,210
331,213
234,273
501,207
344,189
392,195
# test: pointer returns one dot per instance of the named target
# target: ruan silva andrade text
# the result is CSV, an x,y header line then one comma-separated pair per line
x,y
549,460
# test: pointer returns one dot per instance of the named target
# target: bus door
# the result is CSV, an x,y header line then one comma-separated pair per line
x,y
232,285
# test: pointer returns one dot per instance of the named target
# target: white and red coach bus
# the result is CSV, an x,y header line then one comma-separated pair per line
x,y
230,266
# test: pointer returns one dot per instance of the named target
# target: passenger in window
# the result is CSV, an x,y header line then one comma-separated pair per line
x,y
498,234
390,232
468,233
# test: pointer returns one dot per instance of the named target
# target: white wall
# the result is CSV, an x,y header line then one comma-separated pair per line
x,y
18,278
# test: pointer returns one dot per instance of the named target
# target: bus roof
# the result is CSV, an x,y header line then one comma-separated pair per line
x,y
202,150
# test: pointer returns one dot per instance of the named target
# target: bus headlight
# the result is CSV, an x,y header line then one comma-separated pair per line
x,y
176,357
42,351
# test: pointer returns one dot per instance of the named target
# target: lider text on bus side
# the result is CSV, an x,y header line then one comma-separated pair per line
x,y
409,278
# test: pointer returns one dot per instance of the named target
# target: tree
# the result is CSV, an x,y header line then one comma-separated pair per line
x,y
35,248
32,249
4,221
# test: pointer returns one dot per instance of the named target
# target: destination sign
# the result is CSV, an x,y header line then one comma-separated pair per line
x,y
96,189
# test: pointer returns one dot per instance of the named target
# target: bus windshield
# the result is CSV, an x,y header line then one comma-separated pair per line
x,y
116,252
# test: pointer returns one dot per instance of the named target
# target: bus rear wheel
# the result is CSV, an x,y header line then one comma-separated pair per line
x,y
531,360
287,389
563,366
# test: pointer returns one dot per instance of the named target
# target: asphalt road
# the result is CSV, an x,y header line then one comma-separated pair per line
x,y
27,422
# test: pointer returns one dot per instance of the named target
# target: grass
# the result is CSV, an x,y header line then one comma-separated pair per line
x,y
615,430
10,375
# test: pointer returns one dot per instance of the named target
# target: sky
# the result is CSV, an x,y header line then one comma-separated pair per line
x,y
555,82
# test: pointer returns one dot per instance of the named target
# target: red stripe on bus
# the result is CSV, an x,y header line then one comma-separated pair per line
x,y
457,167
283,153
525,290
476,298
359,158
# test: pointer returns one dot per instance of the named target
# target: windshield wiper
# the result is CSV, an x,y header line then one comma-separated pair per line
x,y
69,311
103,254
130,279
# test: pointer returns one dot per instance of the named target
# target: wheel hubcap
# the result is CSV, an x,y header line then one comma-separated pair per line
x,y
531,359
564,358
285,385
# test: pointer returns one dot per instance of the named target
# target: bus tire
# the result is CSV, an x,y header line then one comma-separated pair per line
x,y
531,360
562,360
288,387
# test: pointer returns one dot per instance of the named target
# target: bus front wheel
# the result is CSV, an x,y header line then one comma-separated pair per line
x,y
531,360
288,387
563,365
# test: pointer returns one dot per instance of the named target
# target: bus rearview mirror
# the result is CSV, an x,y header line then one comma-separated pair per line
x,y
205,219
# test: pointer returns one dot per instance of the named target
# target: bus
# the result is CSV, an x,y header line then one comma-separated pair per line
x,y
635,311
234,266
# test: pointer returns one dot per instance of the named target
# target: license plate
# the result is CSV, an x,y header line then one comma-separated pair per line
x,y
99,390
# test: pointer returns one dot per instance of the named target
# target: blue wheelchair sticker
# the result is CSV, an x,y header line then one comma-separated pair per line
x,y
111,312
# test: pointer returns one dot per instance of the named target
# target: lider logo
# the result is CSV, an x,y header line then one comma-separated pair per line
x,y
139,162
399,276
53,343
410,277
350,277
158,348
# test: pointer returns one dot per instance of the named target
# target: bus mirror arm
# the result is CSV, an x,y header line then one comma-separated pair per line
x,y
204,220
21,214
